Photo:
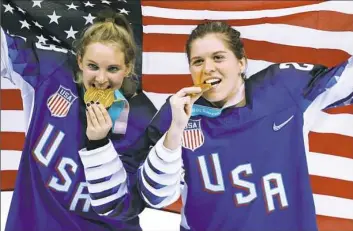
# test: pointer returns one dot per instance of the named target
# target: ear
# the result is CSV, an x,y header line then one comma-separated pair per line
x,y
79,62
128,70
243,64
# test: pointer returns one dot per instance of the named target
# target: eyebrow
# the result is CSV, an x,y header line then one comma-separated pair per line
x,y
112,65
214,53
91,61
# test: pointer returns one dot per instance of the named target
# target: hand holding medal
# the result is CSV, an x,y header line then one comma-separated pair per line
x,y
181,105
98,120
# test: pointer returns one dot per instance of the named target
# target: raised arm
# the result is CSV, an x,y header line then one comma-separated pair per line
x,y
160,175
335,84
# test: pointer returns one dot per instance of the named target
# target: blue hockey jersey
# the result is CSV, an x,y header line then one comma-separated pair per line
x,y
51,190
246,169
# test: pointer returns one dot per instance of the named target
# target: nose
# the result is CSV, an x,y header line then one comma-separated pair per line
x,y
209,66
101,80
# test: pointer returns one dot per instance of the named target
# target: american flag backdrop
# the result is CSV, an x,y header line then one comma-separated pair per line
x,y
273,31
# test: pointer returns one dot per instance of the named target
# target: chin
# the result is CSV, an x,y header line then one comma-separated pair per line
x,y
214,99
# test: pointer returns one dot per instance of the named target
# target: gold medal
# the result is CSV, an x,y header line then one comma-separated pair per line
x,y
104,97
204,86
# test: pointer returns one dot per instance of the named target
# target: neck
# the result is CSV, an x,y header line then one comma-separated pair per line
x,y
237,99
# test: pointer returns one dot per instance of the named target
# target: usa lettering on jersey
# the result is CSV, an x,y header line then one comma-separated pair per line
x,y
272,183
62,180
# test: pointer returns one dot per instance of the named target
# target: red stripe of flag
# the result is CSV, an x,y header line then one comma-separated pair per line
x,y
332,187
258,50
8,179
347,109
228,5
325,223
11,99
331,144
12,140
324,20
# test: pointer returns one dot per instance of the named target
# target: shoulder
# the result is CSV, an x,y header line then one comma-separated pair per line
x,y
43,61
288,72
54,60
292,76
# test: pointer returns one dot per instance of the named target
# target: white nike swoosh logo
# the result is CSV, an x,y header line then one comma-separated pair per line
x,y
278,127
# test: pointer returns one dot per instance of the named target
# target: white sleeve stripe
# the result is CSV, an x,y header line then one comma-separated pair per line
x,y
162,192
165,167
165,154
107,213
117,179
167,201
163,179
104,170
98,158
121,192
184,193
107,147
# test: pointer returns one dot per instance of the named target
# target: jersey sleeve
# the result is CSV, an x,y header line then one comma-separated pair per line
x,y
335,84
311,84
112,176
159,177
111,185
23,60
7,70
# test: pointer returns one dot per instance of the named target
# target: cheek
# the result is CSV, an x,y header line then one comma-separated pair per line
x,y
229,71
117,79
88,75
194,73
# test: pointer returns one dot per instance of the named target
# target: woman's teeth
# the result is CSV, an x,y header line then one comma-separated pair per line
x,y
213,81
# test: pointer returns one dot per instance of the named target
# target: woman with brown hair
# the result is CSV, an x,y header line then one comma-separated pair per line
x,y
239,143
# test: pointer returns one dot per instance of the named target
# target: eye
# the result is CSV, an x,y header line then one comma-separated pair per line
x,y
113,69
92,66
197,62
218,58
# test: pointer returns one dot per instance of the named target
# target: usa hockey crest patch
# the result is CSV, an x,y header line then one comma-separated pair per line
x,y
60,102
193,137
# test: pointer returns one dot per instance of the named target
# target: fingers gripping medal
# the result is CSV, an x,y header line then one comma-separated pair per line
x,y
104,97
204,86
